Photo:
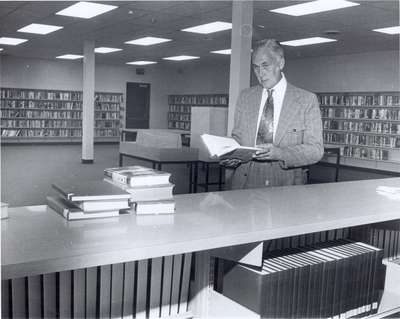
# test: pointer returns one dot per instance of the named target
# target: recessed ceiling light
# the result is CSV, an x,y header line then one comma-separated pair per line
x,y
69,56
148,41
1,49
86,10
307,41
11,41
106,50
181,58
390,30
141,62
210,27
39,28
226,51
314,7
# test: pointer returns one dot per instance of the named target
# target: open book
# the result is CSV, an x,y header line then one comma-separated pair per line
x,y
226,147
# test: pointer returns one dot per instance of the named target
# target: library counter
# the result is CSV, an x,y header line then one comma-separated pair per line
x,y
35,240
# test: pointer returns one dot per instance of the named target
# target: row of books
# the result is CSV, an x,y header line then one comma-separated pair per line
x,y
373,127
178,116
76,105
359,100
362,139
365,153
367,113
339,279
179,108
180,125
198,99
151,191
53,123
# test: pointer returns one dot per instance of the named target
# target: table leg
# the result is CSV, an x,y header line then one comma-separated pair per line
x,y
120,159
337,166
154,165
220,178
207,176
190,177
195,177
159,167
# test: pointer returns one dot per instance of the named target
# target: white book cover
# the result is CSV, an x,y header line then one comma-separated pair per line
x,y
141,178
155,207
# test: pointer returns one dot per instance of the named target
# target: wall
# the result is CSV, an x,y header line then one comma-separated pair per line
x,y
372,71
165,80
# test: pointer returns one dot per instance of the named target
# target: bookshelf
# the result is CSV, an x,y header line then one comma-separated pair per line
x,y
180,107
365,125
38,115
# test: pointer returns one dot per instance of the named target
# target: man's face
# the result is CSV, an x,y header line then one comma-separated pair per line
x,y
267,67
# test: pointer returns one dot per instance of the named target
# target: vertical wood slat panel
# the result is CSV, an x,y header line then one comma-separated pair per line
x,y
105,291
176,280
18,295
65,293
166,286
183,298
141,289
5,299
116,290
34,297
91,292
49,296
79,282
129,285
155,287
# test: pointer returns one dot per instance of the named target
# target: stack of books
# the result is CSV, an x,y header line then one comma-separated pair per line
x,y
150,190
89,199
338,279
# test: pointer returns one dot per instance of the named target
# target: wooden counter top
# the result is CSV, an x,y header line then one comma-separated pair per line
x,y
36,240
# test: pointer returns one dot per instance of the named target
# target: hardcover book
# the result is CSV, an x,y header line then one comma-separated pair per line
x,y
71,212
135,168
146,193
155,207
90,191
135,178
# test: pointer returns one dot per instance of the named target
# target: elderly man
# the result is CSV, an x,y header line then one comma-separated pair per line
x,y
282,120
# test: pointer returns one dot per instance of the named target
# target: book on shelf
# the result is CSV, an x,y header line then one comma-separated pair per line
x,y
143,193
139,176
226,147
70,211
155,207
91,191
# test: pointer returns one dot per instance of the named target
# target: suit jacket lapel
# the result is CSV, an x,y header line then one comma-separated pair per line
x,y
254,107
288,113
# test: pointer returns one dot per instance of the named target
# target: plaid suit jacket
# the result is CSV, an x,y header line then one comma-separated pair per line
x,y
298,134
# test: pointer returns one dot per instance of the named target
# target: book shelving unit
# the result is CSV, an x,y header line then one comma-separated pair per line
x,y
38,115
365,125
179,112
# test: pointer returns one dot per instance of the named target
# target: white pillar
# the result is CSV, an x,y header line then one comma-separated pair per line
x,y
88,103
239,79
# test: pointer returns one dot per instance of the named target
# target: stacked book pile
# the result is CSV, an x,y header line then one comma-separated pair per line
x,y
89,199
337,279
150,190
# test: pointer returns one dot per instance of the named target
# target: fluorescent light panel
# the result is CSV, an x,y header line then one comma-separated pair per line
x,y
86,10
1,49
106,50
11,41
148,41
69,56
307,41
226,51
181,58
314,7
141,62
40,28
210,27
390,30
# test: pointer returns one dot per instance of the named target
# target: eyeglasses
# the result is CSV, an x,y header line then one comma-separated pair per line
x,y
263,67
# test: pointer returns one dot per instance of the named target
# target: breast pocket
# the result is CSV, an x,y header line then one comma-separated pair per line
x,y
294,135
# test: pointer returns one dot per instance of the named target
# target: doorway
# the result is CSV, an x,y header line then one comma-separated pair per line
x,y
137,105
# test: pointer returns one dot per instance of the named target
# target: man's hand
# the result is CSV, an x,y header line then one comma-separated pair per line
x,y
269,152
230,163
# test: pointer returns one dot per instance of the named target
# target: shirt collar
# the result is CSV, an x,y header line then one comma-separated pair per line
x,y
280,86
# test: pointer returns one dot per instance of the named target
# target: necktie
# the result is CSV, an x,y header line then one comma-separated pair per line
x,y
266,128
